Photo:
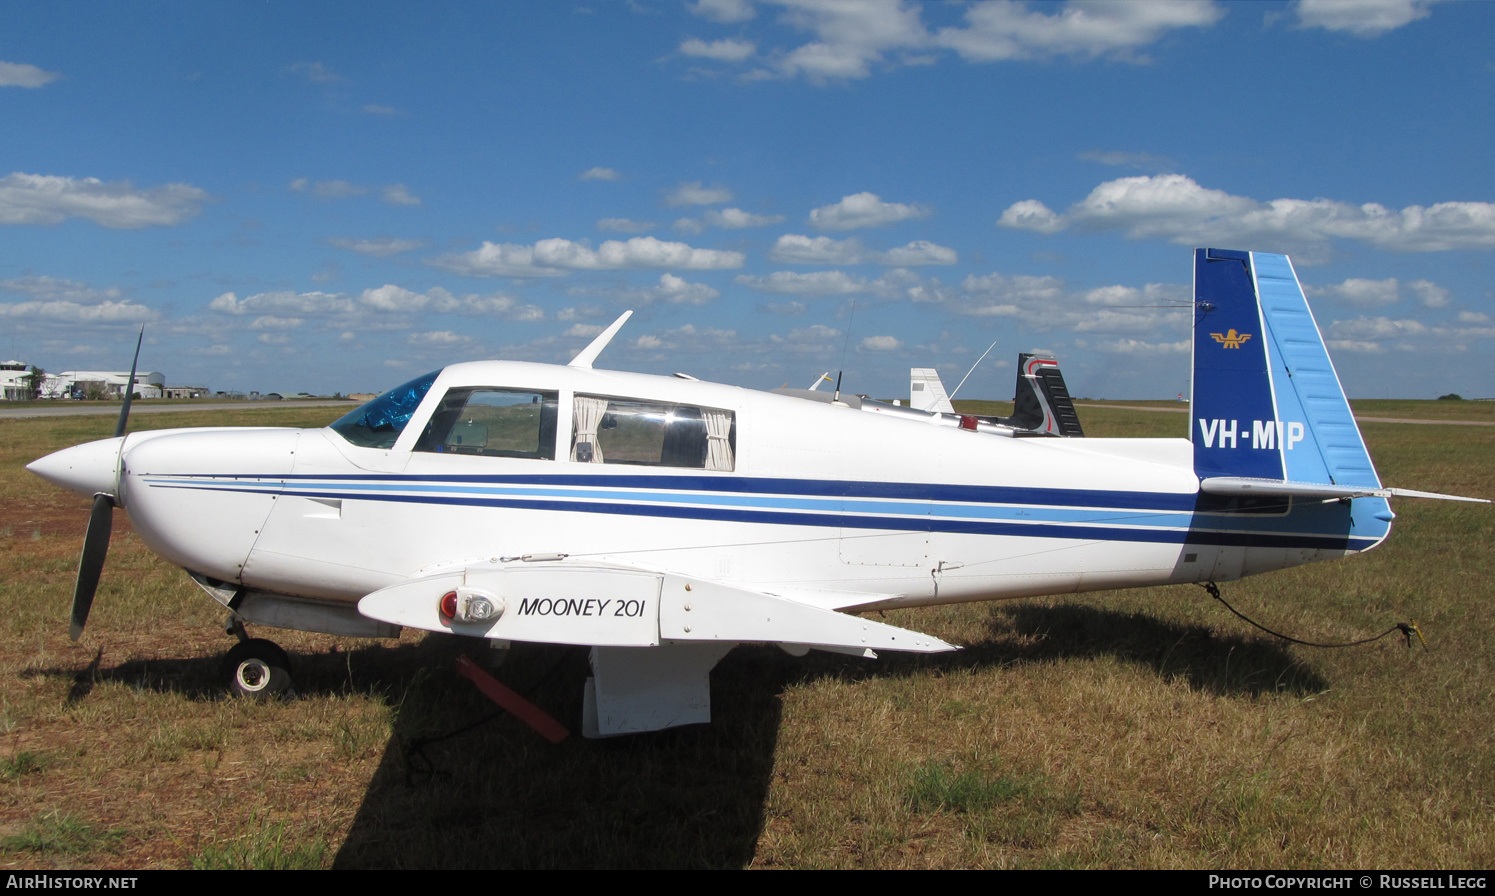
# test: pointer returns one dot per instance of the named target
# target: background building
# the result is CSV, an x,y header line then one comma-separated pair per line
x,y
101,384
15,381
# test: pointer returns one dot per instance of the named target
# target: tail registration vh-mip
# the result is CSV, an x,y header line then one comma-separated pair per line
x,y
664,520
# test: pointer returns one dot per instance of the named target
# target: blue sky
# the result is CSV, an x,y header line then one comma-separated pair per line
x,y
336,197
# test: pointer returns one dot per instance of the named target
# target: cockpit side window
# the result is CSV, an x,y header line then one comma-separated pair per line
x,y
379,423
625,431
493,422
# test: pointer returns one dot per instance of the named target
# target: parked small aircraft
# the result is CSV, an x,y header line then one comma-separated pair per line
x,y
662,521
1041,404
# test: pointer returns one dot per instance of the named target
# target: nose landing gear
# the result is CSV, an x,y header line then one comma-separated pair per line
x,y
255,667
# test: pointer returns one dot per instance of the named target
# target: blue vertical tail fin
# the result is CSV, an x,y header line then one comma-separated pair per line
x,y
1267,403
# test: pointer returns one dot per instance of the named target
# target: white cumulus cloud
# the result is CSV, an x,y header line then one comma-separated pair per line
x,y
726,219
57,289
727,12
289,304
857,38
694,193
1048,303
1362,18
625,225
382,247
736,218
1430,294
816,283
1004,30
1359,291
107,312
881,343
1174,207
330,189
398,194
271,322
863,210
439,339
794,248
599,174
1030,214
556,256
725,50
919,252
397,299
21,74
48,199
677,290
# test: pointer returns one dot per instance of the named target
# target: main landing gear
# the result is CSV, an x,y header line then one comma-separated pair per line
x,y
256,667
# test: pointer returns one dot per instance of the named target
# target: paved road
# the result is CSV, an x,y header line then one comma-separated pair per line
x,y
1185,410
69,409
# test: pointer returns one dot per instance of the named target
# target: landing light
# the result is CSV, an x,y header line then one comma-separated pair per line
x,y
463,606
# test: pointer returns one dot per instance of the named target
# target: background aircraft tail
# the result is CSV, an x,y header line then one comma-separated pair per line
x,y
926,392
1267,403
1041,401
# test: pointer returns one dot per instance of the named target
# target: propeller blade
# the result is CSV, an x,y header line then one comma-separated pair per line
x,y
95,548
124,411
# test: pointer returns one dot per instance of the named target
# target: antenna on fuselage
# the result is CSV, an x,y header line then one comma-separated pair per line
x,y
586,356
844,349
973,368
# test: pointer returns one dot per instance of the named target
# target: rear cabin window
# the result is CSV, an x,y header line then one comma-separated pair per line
x,y
624,431
493,422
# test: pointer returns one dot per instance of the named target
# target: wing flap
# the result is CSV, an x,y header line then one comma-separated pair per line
x,y
697,610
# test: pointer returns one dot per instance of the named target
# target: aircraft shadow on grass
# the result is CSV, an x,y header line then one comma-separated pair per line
x,y
495,795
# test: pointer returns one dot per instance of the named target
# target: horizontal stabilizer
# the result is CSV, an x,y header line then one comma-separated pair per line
x,y
1246,487
1410,493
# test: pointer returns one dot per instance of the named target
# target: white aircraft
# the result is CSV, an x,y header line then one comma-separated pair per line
x,y
662,521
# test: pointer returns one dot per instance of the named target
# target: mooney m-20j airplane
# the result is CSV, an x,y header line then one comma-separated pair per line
x,y
663,520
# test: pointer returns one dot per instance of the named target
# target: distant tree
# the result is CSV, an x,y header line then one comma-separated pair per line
x,y
1452,396
34,381
93,390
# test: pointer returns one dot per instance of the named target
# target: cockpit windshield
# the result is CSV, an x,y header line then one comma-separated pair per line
x,y
379,423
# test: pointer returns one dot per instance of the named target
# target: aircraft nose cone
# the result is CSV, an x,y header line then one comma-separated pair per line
x,y
88,469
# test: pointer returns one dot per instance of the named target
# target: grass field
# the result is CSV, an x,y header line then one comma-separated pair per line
x,y
1123,729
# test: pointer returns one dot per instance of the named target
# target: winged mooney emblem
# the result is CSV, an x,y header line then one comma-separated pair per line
x,y
1231,339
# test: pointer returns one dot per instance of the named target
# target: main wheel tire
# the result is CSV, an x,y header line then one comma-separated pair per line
x,y
258,668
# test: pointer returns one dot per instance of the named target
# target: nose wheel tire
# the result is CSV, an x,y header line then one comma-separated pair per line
x,y
258,668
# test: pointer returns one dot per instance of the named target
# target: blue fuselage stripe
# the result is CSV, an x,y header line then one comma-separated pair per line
x,y
1104,520
894,491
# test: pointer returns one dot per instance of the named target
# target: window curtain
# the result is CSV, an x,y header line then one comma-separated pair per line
x,y
588,416
718,439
